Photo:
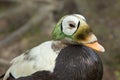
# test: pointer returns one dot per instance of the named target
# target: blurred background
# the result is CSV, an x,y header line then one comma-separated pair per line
x,y
27,23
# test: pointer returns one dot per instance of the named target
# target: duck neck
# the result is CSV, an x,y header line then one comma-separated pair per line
x,y
58,45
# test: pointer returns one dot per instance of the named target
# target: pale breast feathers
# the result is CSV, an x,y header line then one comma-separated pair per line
x,y
39,58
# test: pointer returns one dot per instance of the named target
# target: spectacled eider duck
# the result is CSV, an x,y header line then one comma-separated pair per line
x,y
69,56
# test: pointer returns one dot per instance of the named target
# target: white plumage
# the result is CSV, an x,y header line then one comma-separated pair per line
x,y
39,58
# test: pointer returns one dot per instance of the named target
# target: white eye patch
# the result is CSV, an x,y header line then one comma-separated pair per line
x,y
69,25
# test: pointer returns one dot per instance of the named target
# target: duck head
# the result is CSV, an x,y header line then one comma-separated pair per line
x,y
75,29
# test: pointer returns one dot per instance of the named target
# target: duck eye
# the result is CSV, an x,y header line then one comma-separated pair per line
x,y
72,25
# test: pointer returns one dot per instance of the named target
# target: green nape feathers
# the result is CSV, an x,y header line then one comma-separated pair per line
x,y
57,33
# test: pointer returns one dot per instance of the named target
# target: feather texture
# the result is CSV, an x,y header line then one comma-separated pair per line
x,y
39,58
74,62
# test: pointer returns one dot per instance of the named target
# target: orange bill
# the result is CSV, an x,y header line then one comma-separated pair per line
x,y
96,46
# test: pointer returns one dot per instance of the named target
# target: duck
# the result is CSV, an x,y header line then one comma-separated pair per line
x,y
71,55
84,64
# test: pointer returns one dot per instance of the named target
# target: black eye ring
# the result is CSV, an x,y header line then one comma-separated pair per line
x,y
78,24
72,25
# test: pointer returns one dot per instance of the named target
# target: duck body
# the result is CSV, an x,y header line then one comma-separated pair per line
x,y
74,62
39,58
77,62
69,56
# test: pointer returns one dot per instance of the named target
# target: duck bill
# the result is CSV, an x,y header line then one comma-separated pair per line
x,y
91,42
95,46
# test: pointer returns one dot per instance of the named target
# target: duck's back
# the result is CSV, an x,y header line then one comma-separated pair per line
x,y
74,62
77,62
